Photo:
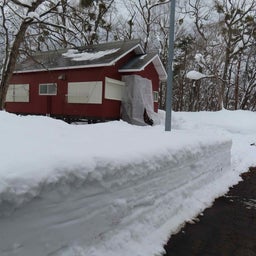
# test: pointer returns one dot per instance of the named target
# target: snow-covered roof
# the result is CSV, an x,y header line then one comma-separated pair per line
x,y
106,54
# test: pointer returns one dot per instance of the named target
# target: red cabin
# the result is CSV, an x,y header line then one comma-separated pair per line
x,y
86,83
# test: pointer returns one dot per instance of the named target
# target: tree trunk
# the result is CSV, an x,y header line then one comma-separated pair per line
x,y
237,81
11,62
13,54
224,78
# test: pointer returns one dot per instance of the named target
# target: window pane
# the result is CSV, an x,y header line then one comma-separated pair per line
x,y
43,89
52,89
48,89
155,94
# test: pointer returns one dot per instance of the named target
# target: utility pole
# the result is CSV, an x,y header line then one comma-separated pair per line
x,y
168,108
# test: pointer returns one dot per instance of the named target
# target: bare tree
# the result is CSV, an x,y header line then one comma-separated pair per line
x,y
247,82
43,24
16,19
85,24
224,33
237,26
146,16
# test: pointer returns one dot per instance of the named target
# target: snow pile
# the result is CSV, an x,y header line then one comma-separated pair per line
x,y
33,15
83,56
27,2
239,125
113,188
195,75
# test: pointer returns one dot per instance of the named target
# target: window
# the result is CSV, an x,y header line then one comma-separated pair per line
x,y
155,95
113,89
18,93
85,92
48,89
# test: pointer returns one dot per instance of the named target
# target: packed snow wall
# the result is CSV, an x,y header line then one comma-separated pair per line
x,y
137,103
113,205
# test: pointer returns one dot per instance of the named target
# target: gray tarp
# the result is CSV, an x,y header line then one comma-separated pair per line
x,y
137,97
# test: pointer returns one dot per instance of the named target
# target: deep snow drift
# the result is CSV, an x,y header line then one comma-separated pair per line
x,y
113,188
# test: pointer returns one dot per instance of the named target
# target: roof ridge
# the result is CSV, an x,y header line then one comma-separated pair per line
x,y
112,43
62,50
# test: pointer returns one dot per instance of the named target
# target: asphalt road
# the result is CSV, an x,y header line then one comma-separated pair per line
x,y
228,228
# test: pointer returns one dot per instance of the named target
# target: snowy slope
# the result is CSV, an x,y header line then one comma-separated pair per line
x,y
113,188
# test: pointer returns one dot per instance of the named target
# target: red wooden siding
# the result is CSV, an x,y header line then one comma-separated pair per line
x,y
56,105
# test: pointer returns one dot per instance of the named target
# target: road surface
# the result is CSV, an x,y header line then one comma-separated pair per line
x,y
228,228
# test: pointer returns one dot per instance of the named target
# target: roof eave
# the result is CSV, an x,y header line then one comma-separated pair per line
x,y
65,68
157,63
138,69
160,68
138,46
130,70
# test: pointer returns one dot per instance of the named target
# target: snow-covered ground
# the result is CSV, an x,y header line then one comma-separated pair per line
x,y
113,188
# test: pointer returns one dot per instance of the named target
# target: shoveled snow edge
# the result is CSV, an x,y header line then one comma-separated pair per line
x,y
136,203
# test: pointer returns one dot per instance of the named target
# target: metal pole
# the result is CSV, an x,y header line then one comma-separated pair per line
x,y
168,108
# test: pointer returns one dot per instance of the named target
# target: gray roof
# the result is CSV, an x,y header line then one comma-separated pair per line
x,y
99,55
105,54
139,63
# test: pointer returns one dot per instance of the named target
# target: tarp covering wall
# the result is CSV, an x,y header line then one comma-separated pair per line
x,y
137,103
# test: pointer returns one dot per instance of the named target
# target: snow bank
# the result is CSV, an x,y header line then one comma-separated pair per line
x,y
115,203
113,188
239,125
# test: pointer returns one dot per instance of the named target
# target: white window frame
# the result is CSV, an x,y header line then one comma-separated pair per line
x,y
47,89
114,89
18,93
85,92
